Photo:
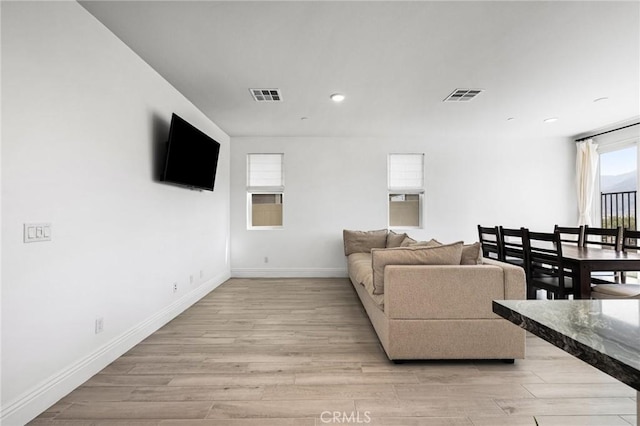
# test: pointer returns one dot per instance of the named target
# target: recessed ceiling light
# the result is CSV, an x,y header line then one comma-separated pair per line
x,y
551,120
601,99
337,97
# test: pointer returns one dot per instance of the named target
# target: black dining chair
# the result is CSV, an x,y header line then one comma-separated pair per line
x,y
615,291
545,266
621,290
570,234
609,238
630,243
489,238
512,245
606,238
630,239
573,235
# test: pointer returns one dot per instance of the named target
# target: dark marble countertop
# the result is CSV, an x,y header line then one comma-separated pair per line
x,y
603,333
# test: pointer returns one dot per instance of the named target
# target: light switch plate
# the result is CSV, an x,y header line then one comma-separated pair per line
x,y
37,232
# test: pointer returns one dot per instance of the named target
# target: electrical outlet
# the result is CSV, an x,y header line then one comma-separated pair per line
x,y
175,287
201,273
99,325
266,259
191,279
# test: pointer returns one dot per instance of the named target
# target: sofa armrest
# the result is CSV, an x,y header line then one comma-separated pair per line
x,y
515,282
444,291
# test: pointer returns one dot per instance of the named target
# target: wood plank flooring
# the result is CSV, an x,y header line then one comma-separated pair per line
x,y
281,352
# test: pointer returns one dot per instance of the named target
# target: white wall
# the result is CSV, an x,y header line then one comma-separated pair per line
x,y
83,117
337,183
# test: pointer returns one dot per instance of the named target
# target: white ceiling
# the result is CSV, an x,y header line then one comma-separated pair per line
x,y
395,61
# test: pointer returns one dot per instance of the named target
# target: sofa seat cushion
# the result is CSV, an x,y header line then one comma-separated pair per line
x,y
378,299
360,273
449,254
359,267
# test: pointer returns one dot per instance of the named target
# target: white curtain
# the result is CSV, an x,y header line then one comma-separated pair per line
x,y
586,169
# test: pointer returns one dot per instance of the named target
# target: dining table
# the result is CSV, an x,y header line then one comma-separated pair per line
x,y
585,260
602,333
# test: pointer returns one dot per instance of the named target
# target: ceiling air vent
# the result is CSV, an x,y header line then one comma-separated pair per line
x,y
266,95
463,95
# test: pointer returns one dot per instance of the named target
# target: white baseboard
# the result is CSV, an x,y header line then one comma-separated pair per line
x,y
36,400
289,273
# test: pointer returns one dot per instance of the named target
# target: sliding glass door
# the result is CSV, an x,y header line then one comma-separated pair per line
x,y
618,185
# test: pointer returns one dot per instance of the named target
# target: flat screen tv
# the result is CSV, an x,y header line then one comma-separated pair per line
x,y
192,156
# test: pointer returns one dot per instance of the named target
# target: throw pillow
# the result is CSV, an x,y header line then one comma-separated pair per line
x,y
471,254
431,243
395,240
449,254
363,241
407,241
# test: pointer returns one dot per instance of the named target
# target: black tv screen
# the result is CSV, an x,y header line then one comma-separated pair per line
x,y
192,156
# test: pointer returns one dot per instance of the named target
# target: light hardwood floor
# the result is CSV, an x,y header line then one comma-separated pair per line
x,y
281,352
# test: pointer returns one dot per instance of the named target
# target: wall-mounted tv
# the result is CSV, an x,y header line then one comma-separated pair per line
x,y
192,156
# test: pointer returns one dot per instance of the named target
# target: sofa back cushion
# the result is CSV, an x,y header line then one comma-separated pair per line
x,y
363,241
395,240
471,254
431,243
408,241
449,254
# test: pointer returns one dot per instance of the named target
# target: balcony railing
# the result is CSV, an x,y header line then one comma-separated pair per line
x,y
618,209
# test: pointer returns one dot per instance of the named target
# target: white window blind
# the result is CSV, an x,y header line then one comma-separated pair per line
x,y
265,172
406,171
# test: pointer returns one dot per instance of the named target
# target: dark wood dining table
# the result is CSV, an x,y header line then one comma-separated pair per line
x,y
585,260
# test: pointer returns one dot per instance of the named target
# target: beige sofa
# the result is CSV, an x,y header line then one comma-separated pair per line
x,y
435,311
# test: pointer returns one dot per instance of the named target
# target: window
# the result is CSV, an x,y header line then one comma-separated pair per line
x,y
406,190
265,190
